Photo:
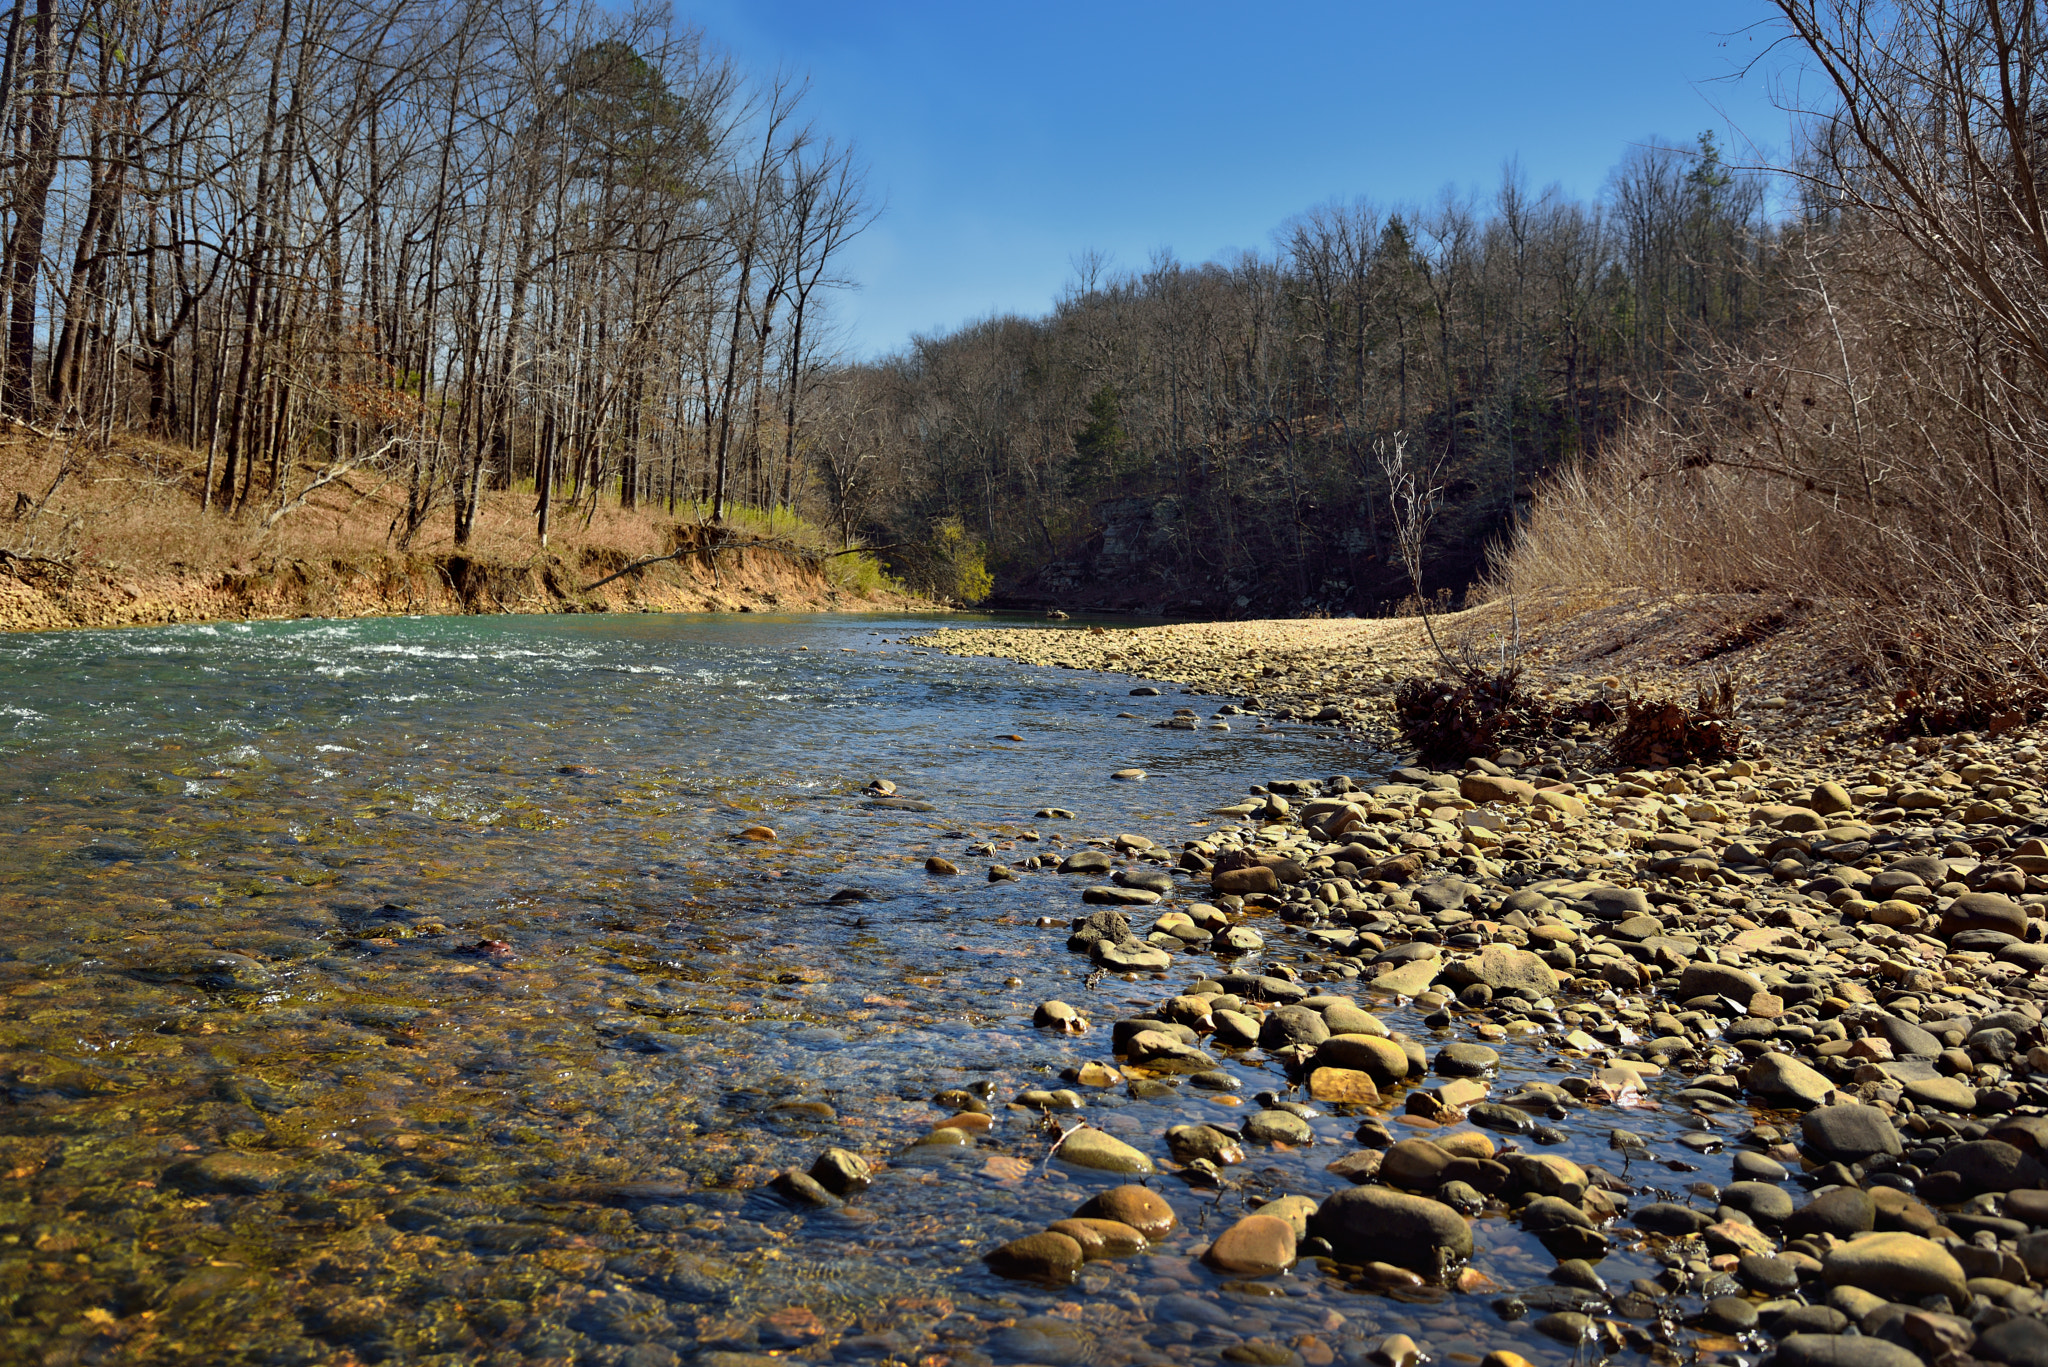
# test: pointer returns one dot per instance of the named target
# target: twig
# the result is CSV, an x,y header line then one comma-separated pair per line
x,y
1065,1135
333,473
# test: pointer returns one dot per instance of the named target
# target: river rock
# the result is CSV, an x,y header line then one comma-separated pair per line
x,y
1505,969
1784,1080
1850,1132
1415,1163
1057,1015
1495,788
1347,1018
1101,1238
1943,1093
1410,979
1718,980
1896,1265
1131,957
1141,1208
1277,1127
1374,1224
841,1172
1163,1052
1256,1246
1044,1257
1760,1201
1842,1212
1384,1061
1245,882
239,1170
1906,1039
1668,1217
1288,1025
1466,1060
1991,1165
1086,861
1833,1350
1109,895
1091,1148
2019,1342
1983,911
1343,1086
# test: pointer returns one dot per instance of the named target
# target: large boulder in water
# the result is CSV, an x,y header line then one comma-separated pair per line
x,y
1373,1224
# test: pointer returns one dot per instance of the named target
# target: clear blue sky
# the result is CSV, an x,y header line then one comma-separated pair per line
x,y
1004,140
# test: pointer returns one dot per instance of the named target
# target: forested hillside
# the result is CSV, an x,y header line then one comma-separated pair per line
x,y
430,249
1214,438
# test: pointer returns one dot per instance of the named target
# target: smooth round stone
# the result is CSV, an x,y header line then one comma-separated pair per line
x,y
1415,1163
1842,1350
1044,1338
1841,1212
1102,1153
1809,1319
1731,1314
1769,1274
1374,1224
1101,1238
1760,1201
1756,1167
1046,1257
1466,1060
1896,1265
1850,1133
1492,1115
1943,1093
1277,1127
1256,1246
1139,1207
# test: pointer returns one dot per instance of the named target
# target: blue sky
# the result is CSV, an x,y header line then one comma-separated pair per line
x,y
1003,141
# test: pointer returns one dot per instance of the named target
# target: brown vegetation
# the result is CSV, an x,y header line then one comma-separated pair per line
x,y
1878,455
116,536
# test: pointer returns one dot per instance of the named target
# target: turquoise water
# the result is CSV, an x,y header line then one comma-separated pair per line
x,y
399,991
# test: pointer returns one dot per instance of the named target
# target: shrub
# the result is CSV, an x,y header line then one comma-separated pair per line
x,y
1450,722
1658,732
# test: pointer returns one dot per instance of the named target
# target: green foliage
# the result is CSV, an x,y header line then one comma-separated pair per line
x,y
623,124
860,572
1100,442
961,562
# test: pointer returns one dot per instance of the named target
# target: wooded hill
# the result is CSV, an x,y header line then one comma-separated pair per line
x,y
1212,439
453,246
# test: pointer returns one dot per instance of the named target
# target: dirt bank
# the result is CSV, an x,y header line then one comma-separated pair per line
x,y
42,595
96,536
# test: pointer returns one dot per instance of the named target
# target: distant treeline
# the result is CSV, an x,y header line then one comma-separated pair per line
x,y
1245,405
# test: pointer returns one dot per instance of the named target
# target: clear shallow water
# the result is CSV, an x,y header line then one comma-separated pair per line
x,y
346,969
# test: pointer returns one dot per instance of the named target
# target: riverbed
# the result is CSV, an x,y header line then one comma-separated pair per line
x,y
412,990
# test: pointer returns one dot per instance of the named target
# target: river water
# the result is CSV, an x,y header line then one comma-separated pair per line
x,y
398,991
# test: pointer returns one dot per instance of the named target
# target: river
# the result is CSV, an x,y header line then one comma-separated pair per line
x,y
402,990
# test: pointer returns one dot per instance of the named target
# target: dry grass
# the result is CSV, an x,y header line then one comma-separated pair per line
x,y
114,536
135,505
1852,466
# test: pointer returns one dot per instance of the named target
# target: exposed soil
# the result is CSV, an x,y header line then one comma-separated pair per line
x,y
42,595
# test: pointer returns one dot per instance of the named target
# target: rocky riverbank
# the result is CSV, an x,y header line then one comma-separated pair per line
x,y
1824,961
